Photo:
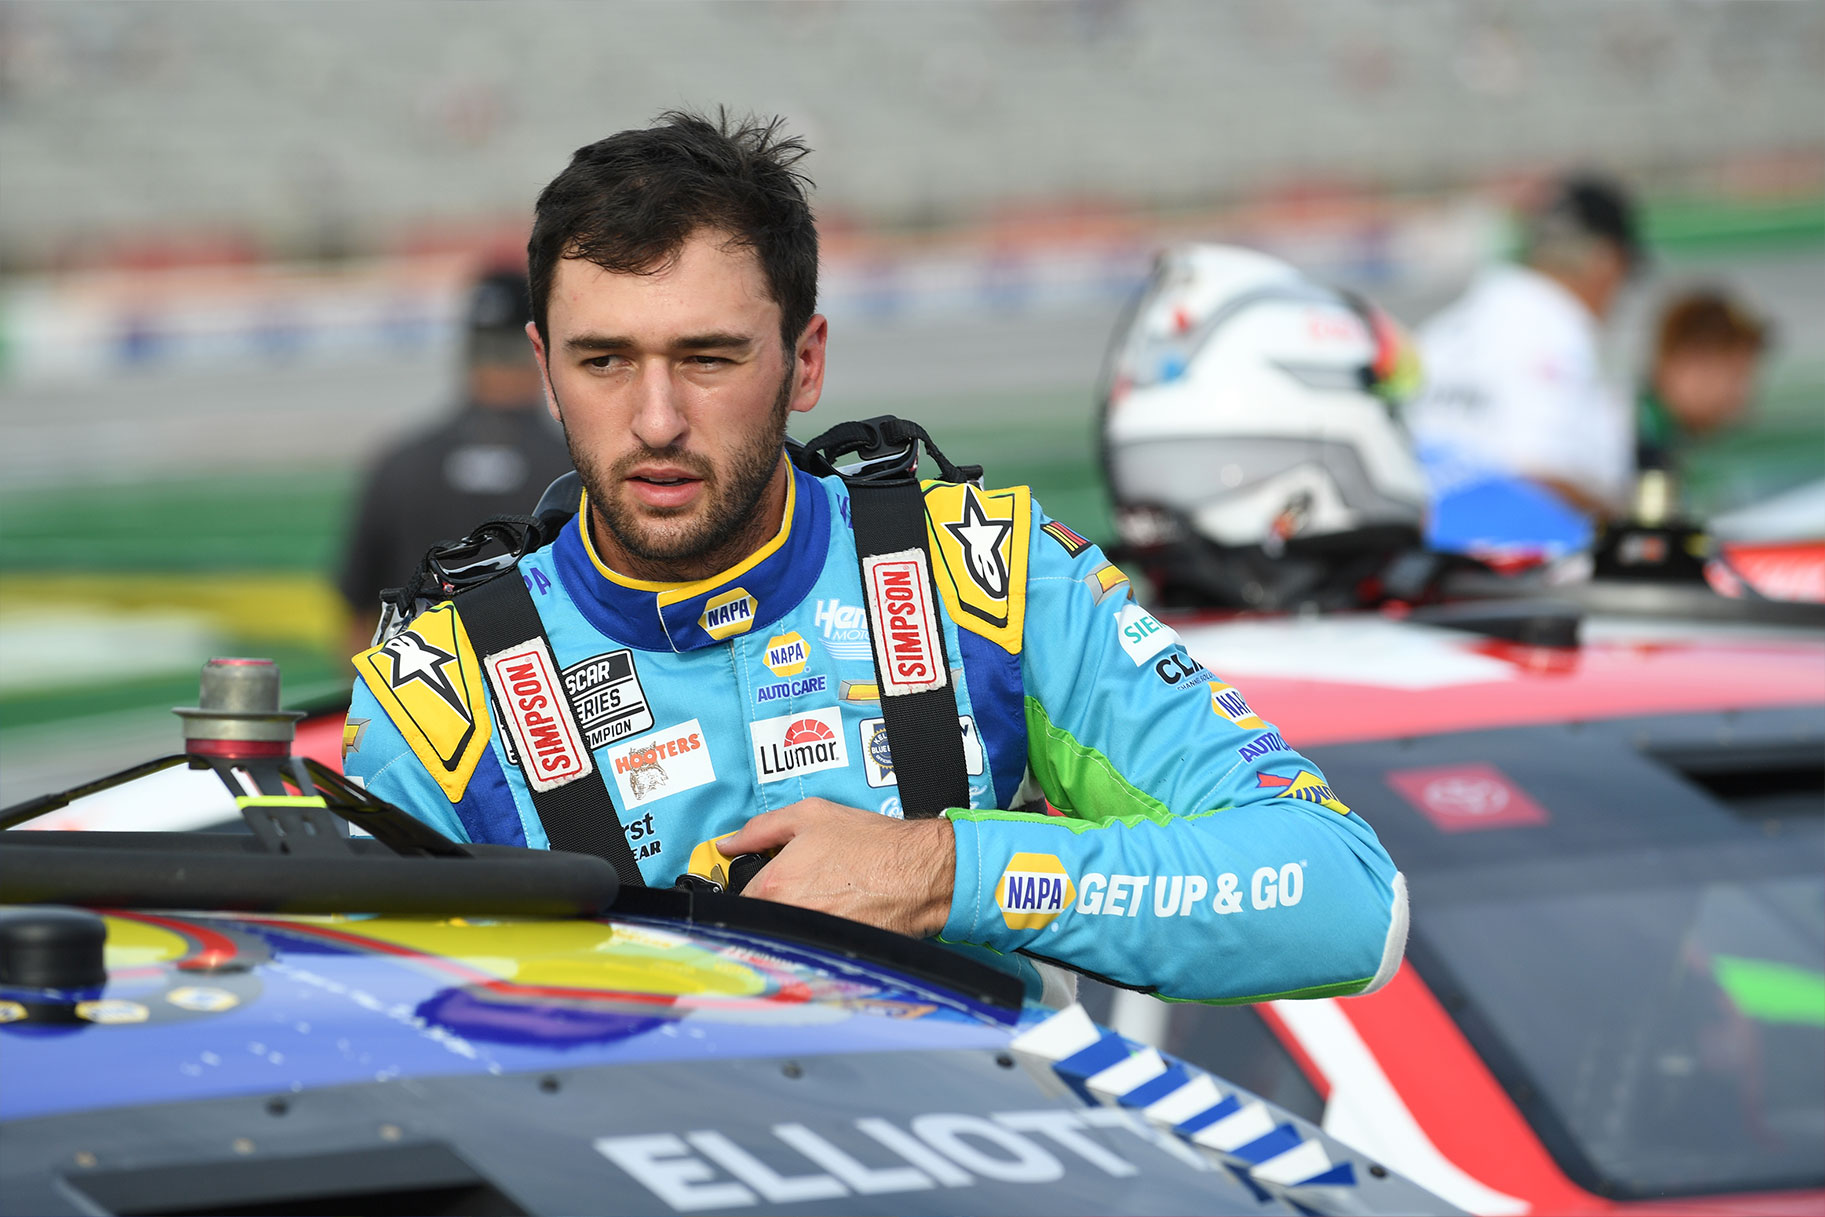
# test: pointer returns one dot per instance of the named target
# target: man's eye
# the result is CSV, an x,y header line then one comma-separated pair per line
x,y
601,361
706,361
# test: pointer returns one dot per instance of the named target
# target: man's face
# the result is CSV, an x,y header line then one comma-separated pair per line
x,y
1707,388
673,389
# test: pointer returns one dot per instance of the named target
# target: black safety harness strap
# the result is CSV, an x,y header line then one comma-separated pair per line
x,y
905,627
574,804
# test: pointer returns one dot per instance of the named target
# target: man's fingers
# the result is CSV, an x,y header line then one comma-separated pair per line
x,y
768,830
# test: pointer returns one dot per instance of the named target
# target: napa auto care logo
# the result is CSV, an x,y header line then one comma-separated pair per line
x,y
1227,703
1033,890
786,654
909,648
526,687
793,745
729,614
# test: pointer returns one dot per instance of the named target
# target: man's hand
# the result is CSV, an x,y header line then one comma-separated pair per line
x,y
895,874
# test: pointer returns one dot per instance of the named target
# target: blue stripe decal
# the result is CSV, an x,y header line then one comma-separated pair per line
x,y
1112,1049
1272,1145
1210,1115
998,699
1151,1092
1341,1175
487,810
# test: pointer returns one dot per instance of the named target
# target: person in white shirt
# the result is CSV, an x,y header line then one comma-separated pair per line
x,y
1514,384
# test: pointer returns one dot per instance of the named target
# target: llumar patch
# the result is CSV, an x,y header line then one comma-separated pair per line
x,y
428,682
979,551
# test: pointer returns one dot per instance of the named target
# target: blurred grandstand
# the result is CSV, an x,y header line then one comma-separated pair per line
x,y
232,239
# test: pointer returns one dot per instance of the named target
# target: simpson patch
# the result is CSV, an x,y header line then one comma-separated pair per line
x,y
429,683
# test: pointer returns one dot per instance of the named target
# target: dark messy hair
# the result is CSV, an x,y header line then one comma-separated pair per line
x,y
629,202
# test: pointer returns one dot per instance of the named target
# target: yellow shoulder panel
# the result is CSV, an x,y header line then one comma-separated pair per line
x,y
979,556
429,683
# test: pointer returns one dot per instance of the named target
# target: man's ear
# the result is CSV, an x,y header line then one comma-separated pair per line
x,y
538,353
808,364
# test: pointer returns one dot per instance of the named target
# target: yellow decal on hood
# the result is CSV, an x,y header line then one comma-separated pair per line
x,y
429,683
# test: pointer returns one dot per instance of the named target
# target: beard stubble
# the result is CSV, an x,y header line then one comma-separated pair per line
x,y
673,545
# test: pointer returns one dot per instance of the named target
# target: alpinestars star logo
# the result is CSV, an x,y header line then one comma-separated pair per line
x,y
415,659
982,539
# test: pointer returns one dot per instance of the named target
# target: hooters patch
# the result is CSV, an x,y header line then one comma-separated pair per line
x,y
908,642
526,686
428,682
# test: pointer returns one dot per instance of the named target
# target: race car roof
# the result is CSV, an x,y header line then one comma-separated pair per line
x,y
1368,677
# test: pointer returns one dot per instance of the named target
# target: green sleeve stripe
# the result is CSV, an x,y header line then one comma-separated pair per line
x,y
1343,988
1081,780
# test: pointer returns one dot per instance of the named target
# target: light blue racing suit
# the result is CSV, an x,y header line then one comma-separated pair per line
x,y
1187,849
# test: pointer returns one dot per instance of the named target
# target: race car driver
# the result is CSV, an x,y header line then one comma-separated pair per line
x,y
1129,814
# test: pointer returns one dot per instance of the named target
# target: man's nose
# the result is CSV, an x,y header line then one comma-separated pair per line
x,y
658,420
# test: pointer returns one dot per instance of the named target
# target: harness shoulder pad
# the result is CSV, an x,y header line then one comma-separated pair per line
x,y
979,549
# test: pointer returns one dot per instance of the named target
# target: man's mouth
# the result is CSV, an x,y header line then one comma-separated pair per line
x,y
664,488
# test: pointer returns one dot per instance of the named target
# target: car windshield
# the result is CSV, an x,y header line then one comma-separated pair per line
x,y
1672,1023
1627,920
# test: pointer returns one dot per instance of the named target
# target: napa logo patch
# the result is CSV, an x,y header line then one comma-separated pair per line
x,y
729,614
1307,786
1033,890
979,556
1227,702
786,654
429,683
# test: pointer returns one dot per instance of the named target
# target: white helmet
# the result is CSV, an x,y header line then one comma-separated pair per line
x,y
1249,435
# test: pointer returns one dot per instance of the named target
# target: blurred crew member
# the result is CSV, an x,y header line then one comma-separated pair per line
x,y
1707,350
492,457
704,614
1514,379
